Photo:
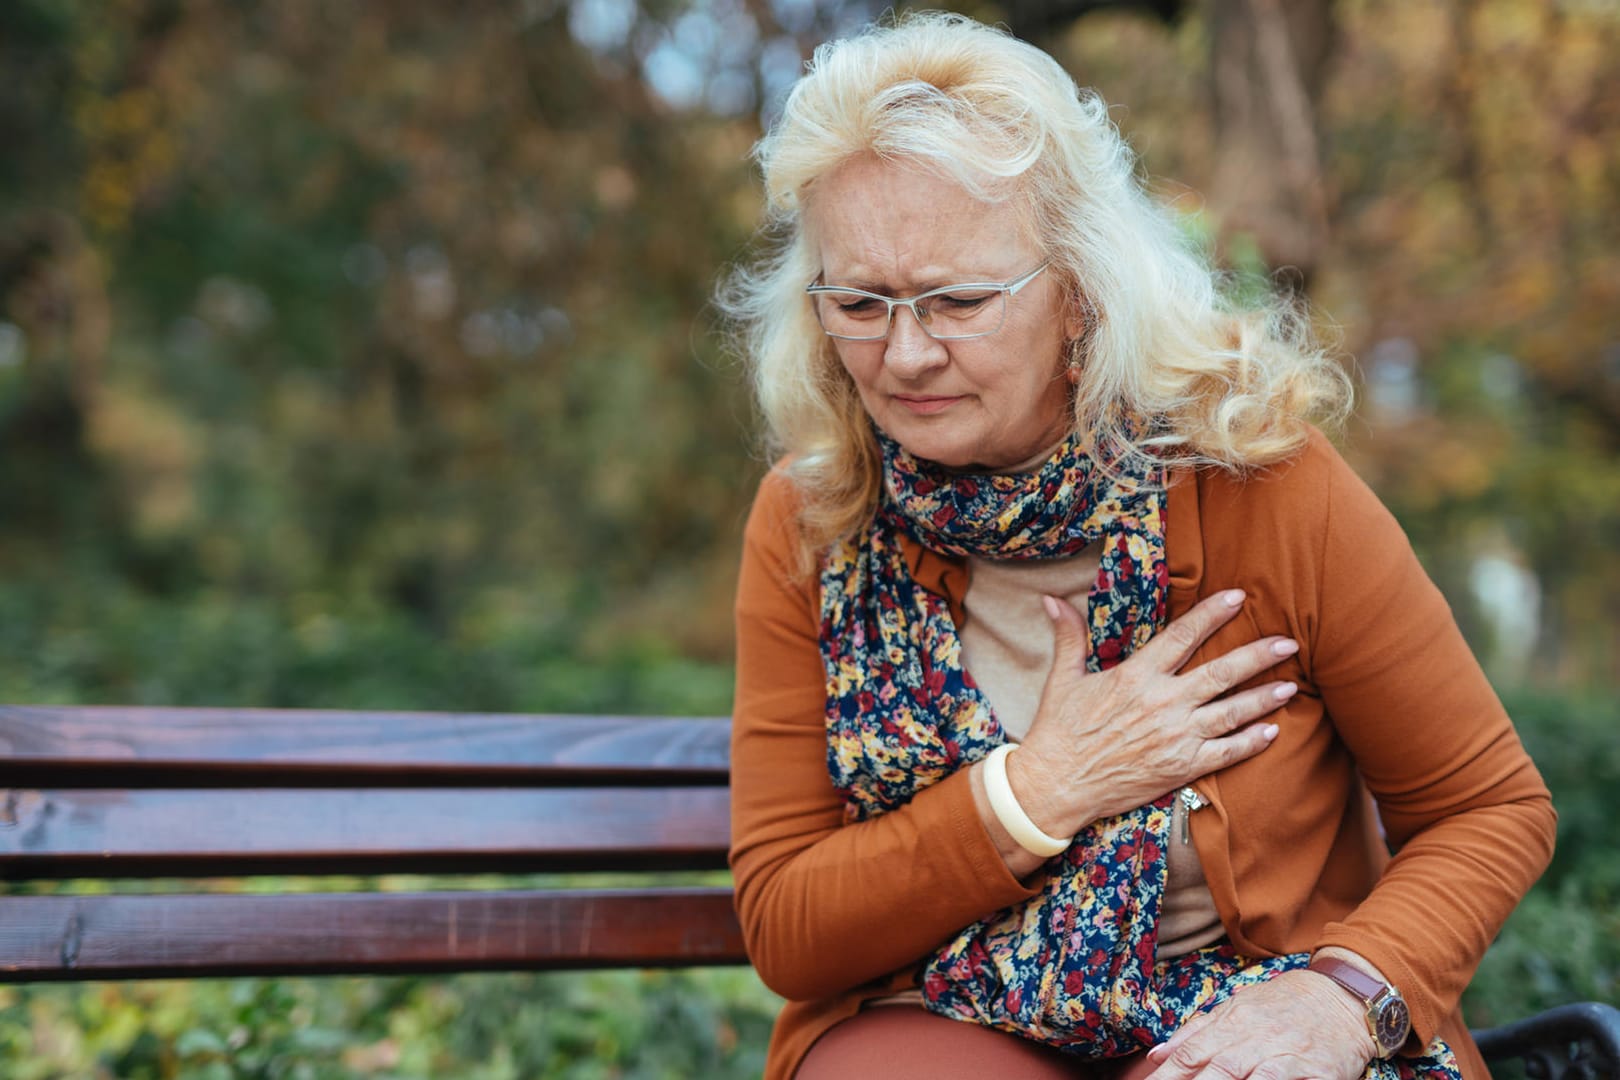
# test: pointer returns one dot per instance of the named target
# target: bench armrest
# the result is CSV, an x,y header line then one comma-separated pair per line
x,y
1572,1041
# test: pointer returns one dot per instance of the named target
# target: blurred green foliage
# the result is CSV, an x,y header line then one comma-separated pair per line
x,y
118,645
358,355
648,1024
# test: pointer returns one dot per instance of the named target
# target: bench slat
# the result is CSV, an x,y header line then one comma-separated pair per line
x,y
94,937
85,746
75,832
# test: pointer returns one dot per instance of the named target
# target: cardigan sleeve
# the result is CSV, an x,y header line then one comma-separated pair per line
x,y
826,906
1465,812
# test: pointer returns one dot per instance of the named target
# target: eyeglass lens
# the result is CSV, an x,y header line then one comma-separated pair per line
x,y
956,314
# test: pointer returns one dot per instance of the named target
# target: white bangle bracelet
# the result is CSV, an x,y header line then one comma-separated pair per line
x,y
1012,817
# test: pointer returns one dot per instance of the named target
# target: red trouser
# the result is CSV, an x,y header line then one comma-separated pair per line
x,y
907,1042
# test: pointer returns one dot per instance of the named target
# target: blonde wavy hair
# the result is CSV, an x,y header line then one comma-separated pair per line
x,y
1164,350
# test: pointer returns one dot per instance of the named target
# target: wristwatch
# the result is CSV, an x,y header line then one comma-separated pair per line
x,y
1388,1018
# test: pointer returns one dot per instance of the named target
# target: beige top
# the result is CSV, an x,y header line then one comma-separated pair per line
x,y
1007,647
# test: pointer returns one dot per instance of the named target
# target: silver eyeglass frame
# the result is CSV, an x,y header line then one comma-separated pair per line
x,y
1009,289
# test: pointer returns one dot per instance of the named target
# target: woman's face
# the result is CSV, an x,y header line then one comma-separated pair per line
x,y
992,402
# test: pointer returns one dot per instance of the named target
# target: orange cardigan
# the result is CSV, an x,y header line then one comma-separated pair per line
x,y
1391,703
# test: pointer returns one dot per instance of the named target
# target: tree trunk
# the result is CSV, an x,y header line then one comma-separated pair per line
x,y
1268,61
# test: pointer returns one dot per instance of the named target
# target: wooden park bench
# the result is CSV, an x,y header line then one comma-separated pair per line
x,y
133,795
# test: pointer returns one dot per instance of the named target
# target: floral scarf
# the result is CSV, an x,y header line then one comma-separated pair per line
x,y
1074,966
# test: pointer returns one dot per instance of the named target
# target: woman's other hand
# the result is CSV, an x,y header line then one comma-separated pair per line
x,y
1107,742
1299,1025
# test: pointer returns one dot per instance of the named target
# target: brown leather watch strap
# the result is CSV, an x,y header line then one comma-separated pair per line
x,y
1350,977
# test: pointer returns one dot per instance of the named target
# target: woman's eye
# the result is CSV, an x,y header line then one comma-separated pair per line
x,y
963,301
858,307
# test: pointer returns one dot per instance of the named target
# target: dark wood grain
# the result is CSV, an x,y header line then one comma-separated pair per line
x,y
131,793
97,937
115,746
55,833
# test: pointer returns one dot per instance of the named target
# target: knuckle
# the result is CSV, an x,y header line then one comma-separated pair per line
x,y
1247,743
1211,722
1245,707
1238,748
1221,672
1183,633
1233,713
1186,1056
1070,634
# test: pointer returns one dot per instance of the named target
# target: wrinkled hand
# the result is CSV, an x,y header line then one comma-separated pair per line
x,y
1107,742
1299,1025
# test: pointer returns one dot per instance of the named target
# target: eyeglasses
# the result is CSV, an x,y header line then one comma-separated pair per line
x,y
950,313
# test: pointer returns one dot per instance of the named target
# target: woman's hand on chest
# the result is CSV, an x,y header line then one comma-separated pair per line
x,y
1108,742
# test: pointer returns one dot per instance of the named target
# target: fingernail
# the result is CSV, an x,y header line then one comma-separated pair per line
x,y
1285,691
1233,597
1053,612
1271,732
1156,1053
1285,648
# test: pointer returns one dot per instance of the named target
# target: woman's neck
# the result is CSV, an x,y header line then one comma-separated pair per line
x,y
1028,465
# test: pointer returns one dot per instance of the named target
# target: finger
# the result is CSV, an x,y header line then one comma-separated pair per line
x,y
1173,646
1181,1035
1230,713
1216,754
1186,1052
1071,638
1215,678
1209,1055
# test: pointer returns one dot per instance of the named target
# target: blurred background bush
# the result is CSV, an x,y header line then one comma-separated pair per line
x,y
360,355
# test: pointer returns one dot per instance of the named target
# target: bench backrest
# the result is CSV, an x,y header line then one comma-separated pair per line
x,y
127,793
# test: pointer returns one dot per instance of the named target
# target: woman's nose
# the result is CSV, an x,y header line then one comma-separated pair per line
x,y
910,351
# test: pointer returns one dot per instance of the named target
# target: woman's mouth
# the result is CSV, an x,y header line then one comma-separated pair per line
x,y
926,404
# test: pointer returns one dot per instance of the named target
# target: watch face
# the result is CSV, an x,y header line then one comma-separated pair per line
x,y
1394,1023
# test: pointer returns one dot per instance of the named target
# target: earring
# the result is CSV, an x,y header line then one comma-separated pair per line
x,y
1076,358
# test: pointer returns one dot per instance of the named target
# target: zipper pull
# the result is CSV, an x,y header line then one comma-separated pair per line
x,y
1190,801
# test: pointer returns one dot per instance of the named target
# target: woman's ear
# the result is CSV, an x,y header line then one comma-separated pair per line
x,y
1076,317
1075,326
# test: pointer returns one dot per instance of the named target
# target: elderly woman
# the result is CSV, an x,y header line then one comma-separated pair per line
x,y
1083,691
